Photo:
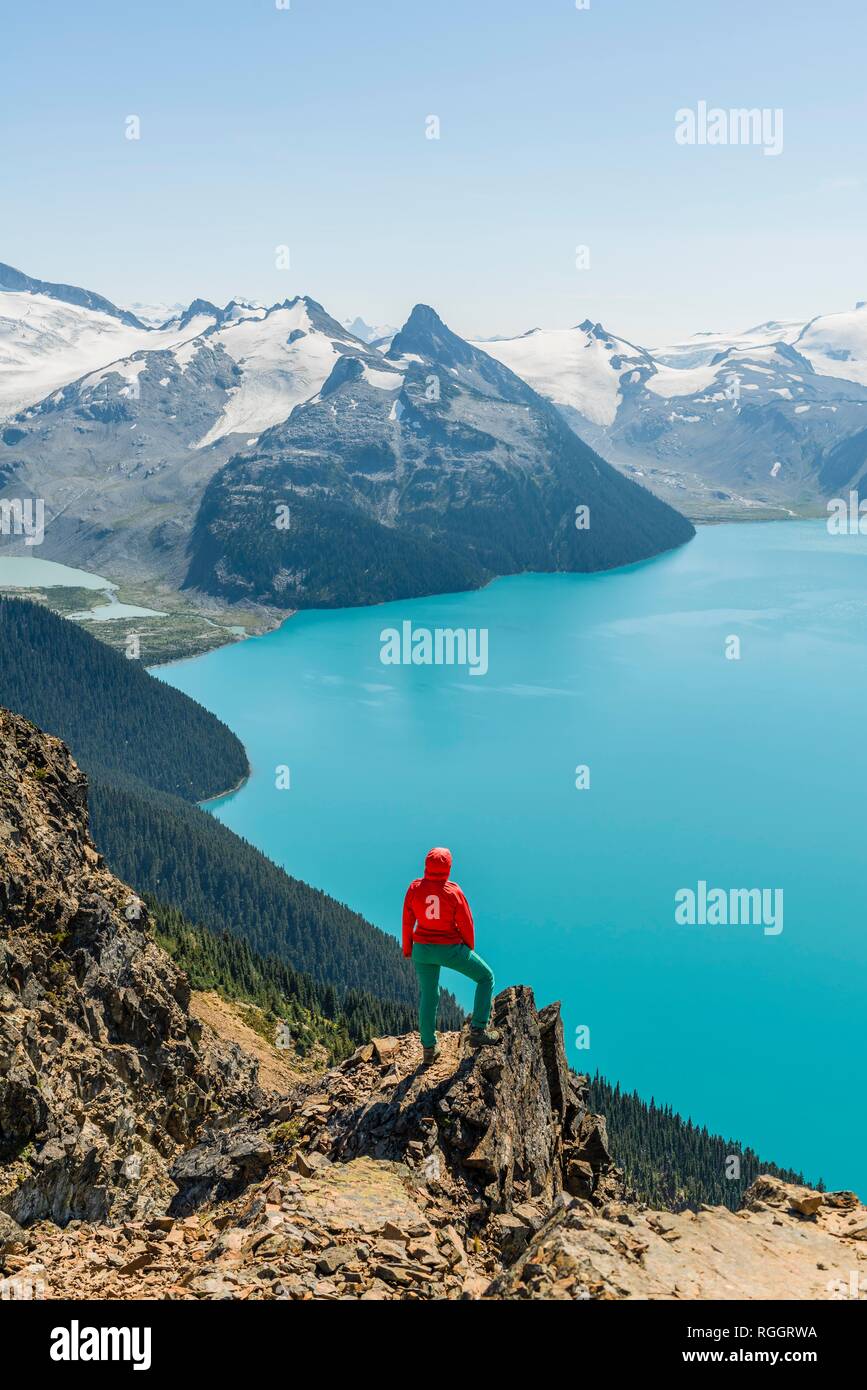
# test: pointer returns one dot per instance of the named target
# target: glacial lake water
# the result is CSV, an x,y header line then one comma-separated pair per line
x,y
25,572
748,773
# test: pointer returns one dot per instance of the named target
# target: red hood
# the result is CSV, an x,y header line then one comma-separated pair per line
x,y
438,863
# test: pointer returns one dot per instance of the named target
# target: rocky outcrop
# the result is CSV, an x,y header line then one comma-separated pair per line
x,y
495,1136
501,1126
104,1074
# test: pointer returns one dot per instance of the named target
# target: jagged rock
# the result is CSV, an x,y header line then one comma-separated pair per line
x,y
218,1168
331,1259
769,1192
309,1163
807,1205
510,1236
104,1075
501,1126
578,1177
529,1213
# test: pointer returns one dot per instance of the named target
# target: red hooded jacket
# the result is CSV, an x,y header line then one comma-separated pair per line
x,y
435,911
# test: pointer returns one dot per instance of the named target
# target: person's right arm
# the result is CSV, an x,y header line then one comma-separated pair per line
x,y
408,921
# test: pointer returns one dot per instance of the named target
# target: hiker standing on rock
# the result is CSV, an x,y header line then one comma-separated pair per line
x,y
438,931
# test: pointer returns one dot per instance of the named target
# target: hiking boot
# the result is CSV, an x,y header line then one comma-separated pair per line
x,y
430,1054
485,1037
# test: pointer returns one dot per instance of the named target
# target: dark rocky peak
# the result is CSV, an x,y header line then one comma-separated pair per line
x,y
425,335
346,370
594,330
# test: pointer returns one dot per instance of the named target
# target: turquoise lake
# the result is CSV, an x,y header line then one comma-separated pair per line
x,y
746,773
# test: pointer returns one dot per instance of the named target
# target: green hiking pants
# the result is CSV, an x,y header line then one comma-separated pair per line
x,y
428,961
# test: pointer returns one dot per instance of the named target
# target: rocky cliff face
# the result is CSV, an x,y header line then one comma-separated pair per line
x,y
139,1158
104,1074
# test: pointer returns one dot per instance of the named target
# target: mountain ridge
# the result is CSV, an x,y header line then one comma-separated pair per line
x,y
12,279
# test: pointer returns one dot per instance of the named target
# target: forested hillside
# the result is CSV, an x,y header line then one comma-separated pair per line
x,y
114,717
150,752
671,1162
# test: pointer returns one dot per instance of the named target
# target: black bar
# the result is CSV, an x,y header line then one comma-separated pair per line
x,y
271,1338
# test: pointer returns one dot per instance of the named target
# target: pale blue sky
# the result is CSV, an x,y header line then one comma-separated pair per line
x,y
306,127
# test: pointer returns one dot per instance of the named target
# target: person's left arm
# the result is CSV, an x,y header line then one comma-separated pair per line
x,y
408,921
464,919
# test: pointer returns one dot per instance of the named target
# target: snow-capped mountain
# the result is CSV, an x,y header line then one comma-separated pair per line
x,y
52,334
769,417
580,368
418,467
378,334
141,433
702,348
17,282
836,344
284,355
269,359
